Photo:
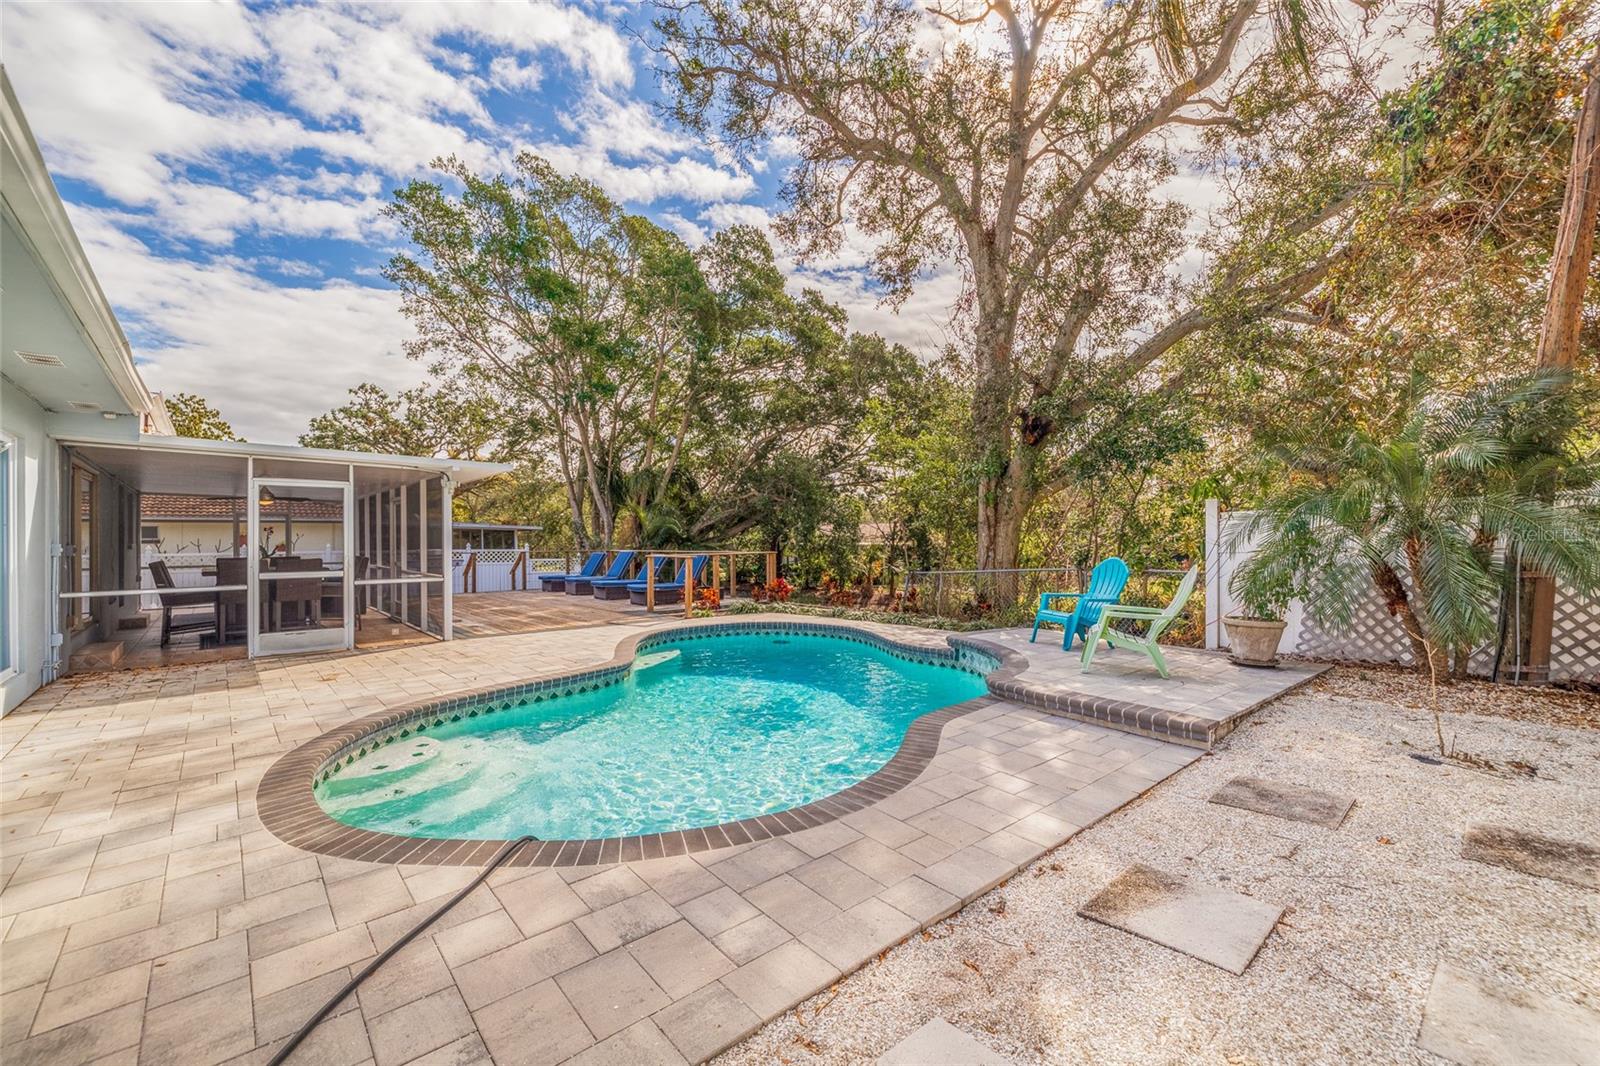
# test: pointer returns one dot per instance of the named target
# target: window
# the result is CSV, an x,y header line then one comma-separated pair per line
x,y
149,534
8,560
85,510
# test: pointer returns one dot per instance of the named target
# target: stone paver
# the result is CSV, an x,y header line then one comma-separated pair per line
x,y
1574,861
939,1043
1477,1022
1213,925
146,913
1205,697
1293,802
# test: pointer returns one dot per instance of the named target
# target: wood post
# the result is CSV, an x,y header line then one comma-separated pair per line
x,y
688,587
650,584
772,568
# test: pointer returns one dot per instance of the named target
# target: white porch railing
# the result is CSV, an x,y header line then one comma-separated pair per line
x,y
185,568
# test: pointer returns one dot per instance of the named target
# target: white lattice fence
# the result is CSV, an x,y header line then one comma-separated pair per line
x,y
502,569
1373,636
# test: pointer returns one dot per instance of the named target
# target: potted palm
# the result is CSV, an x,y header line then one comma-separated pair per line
x,y
1263,593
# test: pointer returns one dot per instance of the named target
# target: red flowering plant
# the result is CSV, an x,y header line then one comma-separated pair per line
x,y
777,591
708,598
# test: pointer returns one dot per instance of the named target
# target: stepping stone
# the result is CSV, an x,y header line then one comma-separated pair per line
x,y
941,1044
1285,801
1213,925
1571,861
1475,1022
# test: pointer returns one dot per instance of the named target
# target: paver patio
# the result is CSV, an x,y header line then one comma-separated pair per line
x,y
147,914
1204,699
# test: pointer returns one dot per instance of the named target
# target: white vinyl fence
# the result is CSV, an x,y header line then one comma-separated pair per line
x,y
501,569
1373,636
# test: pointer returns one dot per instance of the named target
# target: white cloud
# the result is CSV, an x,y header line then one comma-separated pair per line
x,y
734,214
506,73
268,357
218,135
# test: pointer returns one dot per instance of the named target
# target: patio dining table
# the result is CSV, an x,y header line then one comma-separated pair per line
x,y
316,567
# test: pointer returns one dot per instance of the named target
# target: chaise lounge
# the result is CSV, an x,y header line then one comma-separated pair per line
x,y
579,585
558,582
668,592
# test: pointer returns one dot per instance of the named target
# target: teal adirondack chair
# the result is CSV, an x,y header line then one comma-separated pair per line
x,y
1105,586
1159,618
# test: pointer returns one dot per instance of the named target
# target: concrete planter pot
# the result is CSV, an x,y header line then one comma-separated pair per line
x,y
1254,641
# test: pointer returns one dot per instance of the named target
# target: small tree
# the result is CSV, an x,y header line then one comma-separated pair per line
x,y
192,416
1425,513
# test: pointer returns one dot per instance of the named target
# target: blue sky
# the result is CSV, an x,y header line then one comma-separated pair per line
x,y
226,167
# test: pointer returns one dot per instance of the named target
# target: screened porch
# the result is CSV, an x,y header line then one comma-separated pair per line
x,y
176,550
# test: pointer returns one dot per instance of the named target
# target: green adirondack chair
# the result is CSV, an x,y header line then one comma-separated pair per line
x,y
1159,618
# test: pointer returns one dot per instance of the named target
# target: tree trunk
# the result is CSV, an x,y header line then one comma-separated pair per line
x,y
1006,464
1398,601
1570,261
1574,247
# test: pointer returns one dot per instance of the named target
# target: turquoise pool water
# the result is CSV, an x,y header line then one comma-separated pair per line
x,y
702,732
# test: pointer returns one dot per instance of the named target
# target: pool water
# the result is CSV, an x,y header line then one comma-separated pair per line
x,y
702,732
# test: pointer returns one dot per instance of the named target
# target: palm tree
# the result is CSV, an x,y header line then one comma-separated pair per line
x,y
1427,513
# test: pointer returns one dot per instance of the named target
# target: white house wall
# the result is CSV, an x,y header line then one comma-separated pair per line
x,y
34,472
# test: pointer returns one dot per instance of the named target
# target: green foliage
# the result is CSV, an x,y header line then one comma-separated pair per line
x,y
683,397
1031,144
850,614
192,416
454,419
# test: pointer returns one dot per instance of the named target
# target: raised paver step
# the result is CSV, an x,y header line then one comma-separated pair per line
x,y
939,1043
1294,802
101,656
1571,861
1211,924
1477,1022
1203,701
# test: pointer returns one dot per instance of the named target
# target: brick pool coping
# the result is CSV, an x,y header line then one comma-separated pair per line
x,y
288,808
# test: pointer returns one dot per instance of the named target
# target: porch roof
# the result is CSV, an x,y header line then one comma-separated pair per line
x,y
190,466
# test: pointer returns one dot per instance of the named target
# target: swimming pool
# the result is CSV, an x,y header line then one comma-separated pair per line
x,y
701,730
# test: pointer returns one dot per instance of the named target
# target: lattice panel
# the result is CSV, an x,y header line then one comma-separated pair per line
x,y
1374,637
1575,644
1371,637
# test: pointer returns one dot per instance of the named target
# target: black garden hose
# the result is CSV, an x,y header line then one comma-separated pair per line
x,y
327,1008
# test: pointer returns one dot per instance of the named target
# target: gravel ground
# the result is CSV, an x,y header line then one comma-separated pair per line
x,y
1371,907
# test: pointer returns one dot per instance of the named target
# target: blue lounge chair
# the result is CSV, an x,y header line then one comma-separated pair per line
x,y
668,591
558,582
582,586
1105,587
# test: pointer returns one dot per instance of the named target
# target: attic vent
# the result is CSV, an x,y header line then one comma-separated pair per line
x,y
83,405
40,359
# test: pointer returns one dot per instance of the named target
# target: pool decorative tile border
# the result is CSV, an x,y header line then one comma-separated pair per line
x,y
289,809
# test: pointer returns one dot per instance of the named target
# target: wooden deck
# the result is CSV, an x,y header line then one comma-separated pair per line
x,y
493,614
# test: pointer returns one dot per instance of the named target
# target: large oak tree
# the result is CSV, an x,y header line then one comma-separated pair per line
x,y
1030,143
